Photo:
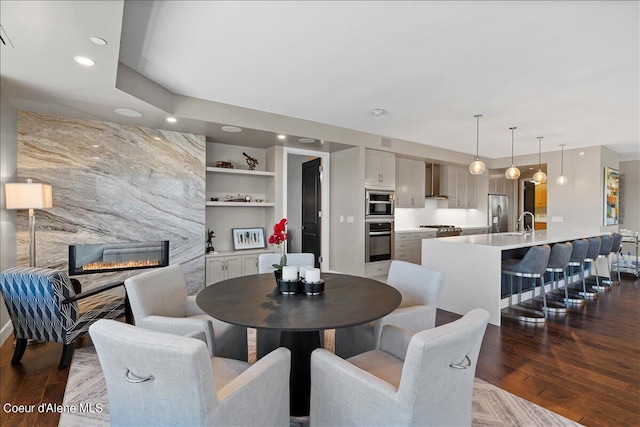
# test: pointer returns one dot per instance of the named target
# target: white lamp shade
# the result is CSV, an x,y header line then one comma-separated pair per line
x,y
28,196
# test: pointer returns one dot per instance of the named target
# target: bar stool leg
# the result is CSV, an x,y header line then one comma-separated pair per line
x,y
544,297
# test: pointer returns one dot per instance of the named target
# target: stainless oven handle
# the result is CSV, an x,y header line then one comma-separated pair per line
x,y
379,233
387,202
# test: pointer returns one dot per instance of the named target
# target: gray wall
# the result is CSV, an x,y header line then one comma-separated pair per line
x,y
113,183
8,164
630,199
347,200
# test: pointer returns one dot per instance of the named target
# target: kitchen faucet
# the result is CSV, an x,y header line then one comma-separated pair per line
x,y
533,219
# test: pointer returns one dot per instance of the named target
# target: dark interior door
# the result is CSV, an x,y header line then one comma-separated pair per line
x,y
529,203
311,207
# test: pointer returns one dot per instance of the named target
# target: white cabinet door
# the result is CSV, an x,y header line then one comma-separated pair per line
x,y
233,266
372,168
379,169
472,189
214,270
404,184
249,264
417,186
387,169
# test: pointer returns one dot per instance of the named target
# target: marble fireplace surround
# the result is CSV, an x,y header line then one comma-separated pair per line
x,y
113,183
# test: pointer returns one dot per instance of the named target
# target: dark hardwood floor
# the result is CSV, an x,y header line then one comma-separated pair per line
x,y
584,366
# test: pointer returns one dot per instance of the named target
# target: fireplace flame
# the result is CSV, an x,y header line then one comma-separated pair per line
x,y
115,265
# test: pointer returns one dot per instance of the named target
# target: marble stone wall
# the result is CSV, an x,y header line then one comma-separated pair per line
x,y
113,183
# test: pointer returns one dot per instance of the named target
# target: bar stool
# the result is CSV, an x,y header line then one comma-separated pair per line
x,y
592,254
603,283
558,262
615,249
578,255
532,265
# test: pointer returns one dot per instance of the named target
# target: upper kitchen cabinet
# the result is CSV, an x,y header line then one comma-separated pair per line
x,y
460,186
541,195
380,169
410,183
499,184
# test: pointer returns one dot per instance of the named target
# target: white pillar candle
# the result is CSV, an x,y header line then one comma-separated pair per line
x,y
303,270
312,275
289,273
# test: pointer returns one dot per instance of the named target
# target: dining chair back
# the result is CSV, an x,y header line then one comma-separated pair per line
x,y
159,302
422,379
419,287
157,379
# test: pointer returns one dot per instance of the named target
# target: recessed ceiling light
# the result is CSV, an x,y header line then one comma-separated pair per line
x,y
127,112
306,140
157,138
377,112
231,129
83,60
172,119
581,153
95,145
282,137
530,169
98,41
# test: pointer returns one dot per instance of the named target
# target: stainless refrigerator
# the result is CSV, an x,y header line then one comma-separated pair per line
x,y
498,213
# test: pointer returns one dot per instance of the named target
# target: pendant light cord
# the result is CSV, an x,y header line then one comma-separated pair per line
x,y
539,150
562,160
477,116
512,131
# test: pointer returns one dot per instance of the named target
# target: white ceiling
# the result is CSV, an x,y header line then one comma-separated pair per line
x,y
568,71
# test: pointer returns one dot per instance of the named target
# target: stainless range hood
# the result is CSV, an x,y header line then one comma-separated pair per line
x,y
432,183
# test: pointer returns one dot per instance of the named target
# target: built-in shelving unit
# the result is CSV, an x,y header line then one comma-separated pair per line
x,y
223,216
240,171
241,204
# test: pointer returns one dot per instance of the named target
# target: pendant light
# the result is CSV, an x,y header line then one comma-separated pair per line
x,y
562,180
540,177
513,172
477,167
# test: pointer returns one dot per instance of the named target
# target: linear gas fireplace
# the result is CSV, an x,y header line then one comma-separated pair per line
x,y
107,257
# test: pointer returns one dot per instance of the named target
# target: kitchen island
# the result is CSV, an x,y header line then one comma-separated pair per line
x,y
472,266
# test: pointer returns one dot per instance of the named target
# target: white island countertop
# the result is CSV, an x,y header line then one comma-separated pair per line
x,y
472,266
520,240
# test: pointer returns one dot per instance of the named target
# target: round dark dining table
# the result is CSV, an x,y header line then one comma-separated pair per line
x,y
255,302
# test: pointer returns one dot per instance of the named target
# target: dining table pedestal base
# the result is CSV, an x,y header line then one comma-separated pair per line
x,y
301,344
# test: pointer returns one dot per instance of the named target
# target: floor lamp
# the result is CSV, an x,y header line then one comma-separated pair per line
x,y
29,196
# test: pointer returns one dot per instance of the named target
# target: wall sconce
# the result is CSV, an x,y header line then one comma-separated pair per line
x,y
540,177
513,172
29,196
477,167
562,180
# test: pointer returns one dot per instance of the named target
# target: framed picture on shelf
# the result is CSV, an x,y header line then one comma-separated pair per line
x,y
248,238
611,196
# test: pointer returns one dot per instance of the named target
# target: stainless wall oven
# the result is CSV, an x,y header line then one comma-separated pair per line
x,y
379,241
379,204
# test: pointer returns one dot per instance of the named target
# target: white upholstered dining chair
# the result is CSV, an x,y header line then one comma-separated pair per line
x,y
419,287
158,379
159,302
423,379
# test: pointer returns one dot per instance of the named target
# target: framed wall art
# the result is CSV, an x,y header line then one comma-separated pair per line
x,y
248,238
611,196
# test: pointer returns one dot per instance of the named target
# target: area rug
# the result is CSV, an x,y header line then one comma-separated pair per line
x,y
86,394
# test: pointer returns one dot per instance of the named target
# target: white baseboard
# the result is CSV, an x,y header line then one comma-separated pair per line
x,y
5,332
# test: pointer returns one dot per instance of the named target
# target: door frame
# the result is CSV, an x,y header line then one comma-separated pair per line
x,y
324,197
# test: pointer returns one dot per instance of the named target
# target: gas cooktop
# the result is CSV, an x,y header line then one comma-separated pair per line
x,y
444,230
